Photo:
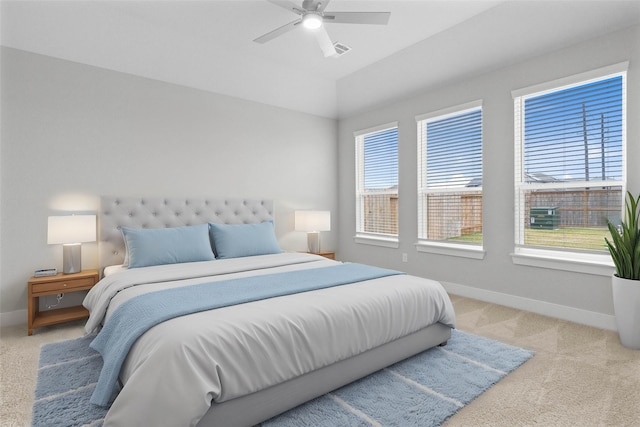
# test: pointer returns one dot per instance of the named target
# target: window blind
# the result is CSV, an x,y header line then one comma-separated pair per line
x,y
450,176
570,166
377,182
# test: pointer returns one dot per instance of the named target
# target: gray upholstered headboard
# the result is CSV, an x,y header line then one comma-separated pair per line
x,y
141,212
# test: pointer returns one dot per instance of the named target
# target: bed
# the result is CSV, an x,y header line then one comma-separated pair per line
x,y
243,363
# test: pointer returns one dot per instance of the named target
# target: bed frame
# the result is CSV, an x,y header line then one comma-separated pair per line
x,y
116,212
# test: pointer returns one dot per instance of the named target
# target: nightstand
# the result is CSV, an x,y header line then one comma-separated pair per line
x,y
53,285
329,255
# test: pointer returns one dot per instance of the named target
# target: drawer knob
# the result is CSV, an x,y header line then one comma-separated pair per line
x,y
65,285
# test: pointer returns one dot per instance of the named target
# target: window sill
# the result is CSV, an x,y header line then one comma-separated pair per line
x,y
387,242
576,262
463,251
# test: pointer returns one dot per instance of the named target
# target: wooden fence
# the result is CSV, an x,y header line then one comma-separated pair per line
x,y
451,215
381,213
578,208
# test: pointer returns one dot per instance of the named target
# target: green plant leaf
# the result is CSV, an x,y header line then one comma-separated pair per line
x,y
624,246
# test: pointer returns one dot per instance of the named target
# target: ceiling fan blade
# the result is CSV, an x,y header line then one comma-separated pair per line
x,y
277,32
290,6
376,18
325,42
323,5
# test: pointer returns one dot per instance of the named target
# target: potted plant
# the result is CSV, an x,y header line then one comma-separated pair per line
x,y
625,252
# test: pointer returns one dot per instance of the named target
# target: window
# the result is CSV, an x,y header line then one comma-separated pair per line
x,y
377,185
570,162
450,176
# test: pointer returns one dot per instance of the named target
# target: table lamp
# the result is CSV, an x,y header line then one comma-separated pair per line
x,y
313,222
71,231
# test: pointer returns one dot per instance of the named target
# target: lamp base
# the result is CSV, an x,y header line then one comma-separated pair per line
x,y
71,258
313,241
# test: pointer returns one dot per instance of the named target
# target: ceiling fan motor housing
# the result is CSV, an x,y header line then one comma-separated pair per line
x,y
311,5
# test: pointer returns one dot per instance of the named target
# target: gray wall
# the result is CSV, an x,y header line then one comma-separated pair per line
x,y
577,296
72,132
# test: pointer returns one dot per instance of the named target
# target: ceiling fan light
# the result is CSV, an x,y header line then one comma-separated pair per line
x,y
312,21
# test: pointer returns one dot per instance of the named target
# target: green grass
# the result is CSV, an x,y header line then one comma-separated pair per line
x,y
468,238
581,238
577,238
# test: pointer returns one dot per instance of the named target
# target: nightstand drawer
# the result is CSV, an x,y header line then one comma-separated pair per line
x,y
62,285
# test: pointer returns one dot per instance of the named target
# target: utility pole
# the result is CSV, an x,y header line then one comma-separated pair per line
x,y
602,144
586,142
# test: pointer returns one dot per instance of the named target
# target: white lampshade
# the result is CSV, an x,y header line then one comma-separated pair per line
x,y
313,220
71,229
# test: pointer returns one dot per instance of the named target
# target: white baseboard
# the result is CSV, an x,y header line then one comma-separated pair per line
x,y
13,318
572,314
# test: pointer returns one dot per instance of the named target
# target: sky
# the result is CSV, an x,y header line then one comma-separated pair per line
x,y
454,150
575,134
571,134
381,159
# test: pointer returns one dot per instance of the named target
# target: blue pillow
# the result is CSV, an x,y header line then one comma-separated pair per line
x,y
239,240
156,246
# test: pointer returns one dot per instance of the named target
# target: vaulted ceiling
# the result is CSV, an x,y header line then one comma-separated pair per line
x,y
209,44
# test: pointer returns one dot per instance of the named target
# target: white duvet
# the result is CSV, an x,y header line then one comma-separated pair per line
x,y
179,368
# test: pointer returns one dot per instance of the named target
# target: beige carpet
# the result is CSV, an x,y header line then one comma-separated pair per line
x,y
580,376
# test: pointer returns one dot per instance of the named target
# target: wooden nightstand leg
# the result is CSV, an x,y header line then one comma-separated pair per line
x,y
32,309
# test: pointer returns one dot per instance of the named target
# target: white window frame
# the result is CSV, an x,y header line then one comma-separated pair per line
x,y
461,249
362,237
562,259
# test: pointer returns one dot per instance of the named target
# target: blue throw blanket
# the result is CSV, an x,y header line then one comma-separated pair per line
x,y
136,316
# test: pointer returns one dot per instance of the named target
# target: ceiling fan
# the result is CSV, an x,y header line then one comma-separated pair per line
x,y
313,16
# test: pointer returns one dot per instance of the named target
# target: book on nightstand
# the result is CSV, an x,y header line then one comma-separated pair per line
x,y
45,272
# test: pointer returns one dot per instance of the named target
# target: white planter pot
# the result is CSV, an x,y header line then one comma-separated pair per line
x,y
626,304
